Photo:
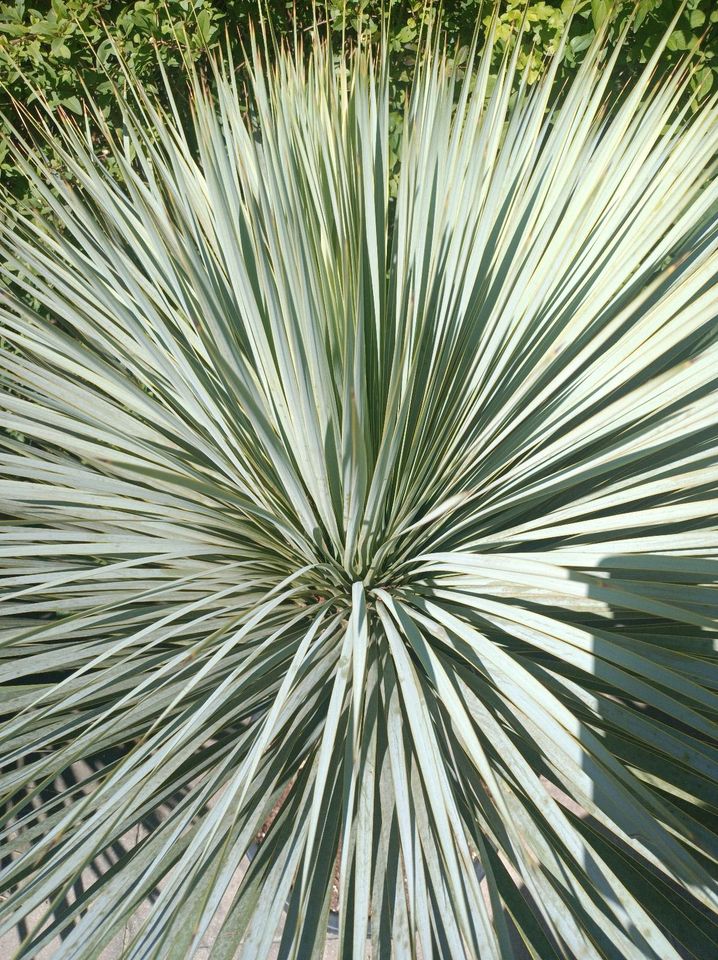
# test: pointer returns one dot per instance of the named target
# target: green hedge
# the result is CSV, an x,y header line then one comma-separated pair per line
x,y
60,48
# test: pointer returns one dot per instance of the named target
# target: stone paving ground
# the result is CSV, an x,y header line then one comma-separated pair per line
x,y
117,948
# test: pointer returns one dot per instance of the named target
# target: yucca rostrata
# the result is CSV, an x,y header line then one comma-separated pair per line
x,y
389,522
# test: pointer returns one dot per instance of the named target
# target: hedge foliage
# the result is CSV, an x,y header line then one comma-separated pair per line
x,y
62,48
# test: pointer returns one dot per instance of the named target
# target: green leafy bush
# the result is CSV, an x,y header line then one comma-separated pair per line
x,y
380,529
59,49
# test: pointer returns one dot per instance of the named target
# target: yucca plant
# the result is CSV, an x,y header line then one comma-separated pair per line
x,y
371,534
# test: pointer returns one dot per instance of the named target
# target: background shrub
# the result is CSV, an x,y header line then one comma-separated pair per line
x,y
62,47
